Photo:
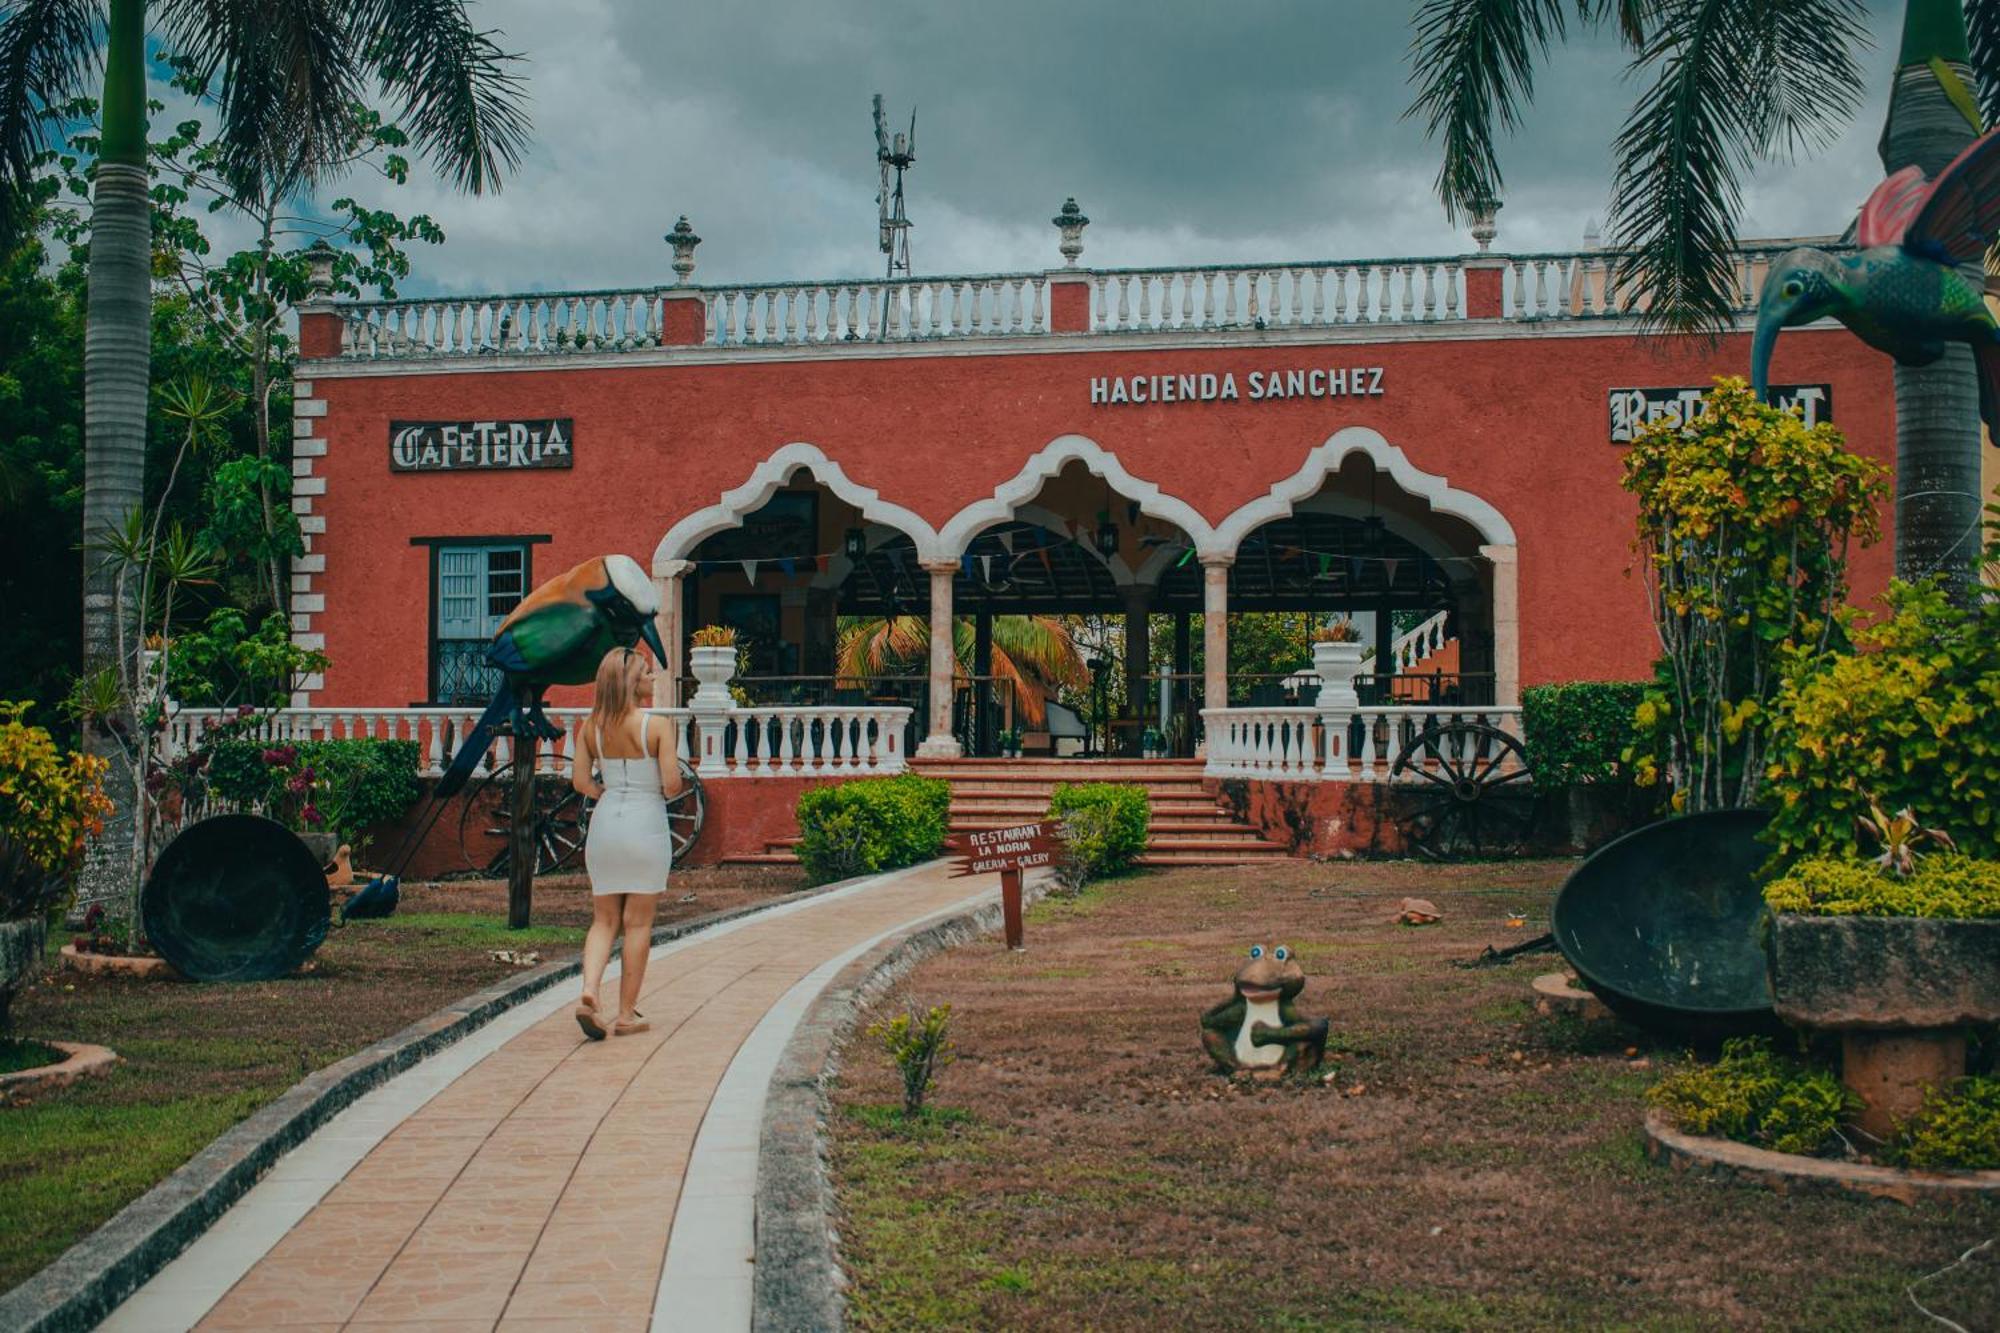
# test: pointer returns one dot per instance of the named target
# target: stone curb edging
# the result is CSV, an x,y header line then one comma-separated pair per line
x,y
1787,1173
94,1276
82,1058
798,1279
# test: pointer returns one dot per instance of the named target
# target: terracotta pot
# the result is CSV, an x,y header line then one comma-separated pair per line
x,y
1338,664
1899,990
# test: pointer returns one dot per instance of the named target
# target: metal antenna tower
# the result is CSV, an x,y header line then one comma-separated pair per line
x,y
900,154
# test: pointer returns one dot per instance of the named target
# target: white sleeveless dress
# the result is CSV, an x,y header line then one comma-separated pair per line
x,y
628,848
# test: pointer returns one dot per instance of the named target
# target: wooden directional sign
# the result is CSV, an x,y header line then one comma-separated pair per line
x,y
1009,851
988,850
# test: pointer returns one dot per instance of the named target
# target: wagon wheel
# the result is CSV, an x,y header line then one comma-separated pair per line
x,y
562,818
1474,789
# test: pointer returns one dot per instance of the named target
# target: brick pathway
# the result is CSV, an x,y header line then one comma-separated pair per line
x,y
551,1183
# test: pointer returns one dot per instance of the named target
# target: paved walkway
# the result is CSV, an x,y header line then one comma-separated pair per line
x,y
527,1179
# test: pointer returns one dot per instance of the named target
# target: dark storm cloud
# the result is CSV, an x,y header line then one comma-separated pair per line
x,y
1191,133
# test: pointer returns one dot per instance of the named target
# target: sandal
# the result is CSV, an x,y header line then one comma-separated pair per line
x,y
625,1027
590,1020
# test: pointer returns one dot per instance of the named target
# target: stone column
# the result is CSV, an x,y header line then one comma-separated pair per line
x,y
1138,654
1215,630
940,743
667,683
1505,561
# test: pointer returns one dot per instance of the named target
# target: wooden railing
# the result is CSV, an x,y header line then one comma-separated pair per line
x,y
780,741
1307,745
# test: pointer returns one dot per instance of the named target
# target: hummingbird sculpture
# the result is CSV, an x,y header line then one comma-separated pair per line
x,y
556,636
1919,281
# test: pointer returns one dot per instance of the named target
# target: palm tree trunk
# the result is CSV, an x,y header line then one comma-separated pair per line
x,y
1937,406
116,351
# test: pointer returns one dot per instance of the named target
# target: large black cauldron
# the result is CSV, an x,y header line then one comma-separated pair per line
x,y
236,898
1665,925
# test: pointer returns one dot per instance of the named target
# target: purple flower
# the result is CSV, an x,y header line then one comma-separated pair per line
x,y
310,814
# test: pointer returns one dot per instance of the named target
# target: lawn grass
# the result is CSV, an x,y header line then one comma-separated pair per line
x,y
194,1060
1469,1165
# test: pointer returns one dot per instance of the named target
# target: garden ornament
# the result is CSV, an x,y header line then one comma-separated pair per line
x,y
1257,1029
556,636
1919,281
1418,912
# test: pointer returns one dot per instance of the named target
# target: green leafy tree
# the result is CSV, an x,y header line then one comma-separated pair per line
x,y
1725,84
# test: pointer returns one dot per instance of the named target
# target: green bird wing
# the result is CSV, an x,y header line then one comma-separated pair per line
x,y
553,645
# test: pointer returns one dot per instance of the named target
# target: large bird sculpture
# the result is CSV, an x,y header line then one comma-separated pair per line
x,y
1919,281
556,636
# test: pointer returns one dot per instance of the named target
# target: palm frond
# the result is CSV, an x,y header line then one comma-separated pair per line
x,y
1473,62
1982,25
48,49
285,78
882,645
462,101
1730,80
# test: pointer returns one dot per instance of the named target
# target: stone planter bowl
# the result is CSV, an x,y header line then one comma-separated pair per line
x,y
712,668
1899,990
1338,664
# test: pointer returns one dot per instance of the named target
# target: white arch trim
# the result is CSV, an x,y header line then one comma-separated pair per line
x,y
1324,461
1012,495
765,481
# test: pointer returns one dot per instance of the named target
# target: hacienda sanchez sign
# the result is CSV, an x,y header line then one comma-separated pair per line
x,y
481,446
1633,408
1256,386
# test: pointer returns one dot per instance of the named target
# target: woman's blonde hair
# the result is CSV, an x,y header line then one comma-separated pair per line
x,y
617,695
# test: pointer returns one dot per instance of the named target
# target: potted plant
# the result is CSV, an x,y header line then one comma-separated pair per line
x,y
1152,744
1010,743
1899,955
1337,654
51,803
712,660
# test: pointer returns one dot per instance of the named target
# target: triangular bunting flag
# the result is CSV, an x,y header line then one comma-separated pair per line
x,y
750,570
1044,554
1006,541
986,569
1389,564
1325,564
1354,569
789,565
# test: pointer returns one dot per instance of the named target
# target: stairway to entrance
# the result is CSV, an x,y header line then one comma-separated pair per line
x,y
1189,827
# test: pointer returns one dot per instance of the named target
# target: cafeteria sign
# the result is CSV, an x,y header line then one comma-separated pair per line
x,y
481,446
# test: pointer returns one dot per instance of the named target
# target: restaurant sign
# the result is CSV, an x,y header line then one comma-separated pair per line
x,y
481,446
1633,408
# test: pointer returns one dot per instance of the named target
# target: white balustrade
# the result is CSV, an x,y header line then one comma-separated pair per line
x,y
1319,294
1364,745
747,742
1419,642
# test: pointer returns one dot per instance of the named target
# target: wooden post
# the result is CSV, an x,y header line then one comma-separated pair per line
x,y
521,834
1010,906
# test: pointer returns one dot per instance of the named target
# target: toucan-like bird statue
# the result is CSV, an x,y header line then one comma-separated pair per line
x,y
1918,283
556,636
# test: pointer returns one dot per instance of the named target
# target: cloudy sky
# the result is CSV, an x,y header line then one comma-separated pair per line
x,y
1189,132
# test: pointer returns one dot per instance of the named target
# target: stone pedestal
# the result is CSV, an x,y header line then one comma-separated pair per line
x,y
1889,1071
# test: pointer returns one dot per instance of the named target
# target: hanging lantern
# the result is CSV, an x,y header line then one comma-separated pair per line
x,y
857,544
1107,534
1374,532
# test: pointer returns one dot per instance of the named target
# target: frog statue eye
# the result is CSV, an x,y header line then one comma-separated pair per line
x,y
1256,951
1282,953
1794,287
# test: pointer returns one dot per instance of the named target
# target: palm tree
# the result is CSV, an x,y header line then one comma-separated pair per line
x,y
289,77
1034,653
1724,84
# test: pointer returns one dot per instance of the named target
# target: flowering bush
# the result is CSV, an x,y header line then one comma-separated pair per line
x,y
1960,887
1745,519
51,803
339,787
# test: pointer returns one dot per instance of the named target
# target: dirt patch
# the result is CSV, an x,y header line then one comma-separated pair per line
x,y
197,1059
1469,1165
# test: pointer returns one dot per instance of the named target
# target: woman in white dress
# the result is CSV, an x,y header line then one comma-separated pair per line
x,y
628,850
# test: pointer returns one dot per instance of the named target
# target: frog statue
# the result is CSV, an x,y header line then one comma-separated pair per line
x,y
1257,1030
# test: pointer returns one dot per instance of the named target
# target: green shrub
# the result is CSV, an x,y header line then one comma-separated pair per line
x,y
1578,732
1912,720
1103,828
857,828
339,787
917,1041
1754,1095
1956,1128
1942,885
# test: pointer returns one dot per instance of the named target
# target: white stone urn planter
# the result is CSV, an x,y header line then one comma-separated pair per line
x,y
1338,664
712,668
